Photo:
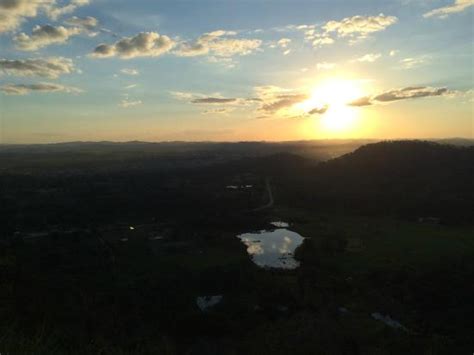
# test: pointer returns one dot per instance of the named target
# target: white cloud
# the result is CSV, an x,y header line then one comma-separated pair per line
x,y
56,12
129,71
445,11
394,52
87,24
144,44
369,58
322,40
410,63
131,86
43,36
126,103
360,26
186,96
24,89
284,42
50,68
13,12
218,44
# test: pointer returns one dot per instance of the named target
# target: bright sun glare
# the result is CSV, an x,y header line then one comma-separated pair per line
x,y
334,95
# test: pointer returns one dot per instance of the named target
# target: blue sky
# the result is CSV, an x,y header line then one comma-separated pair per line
x,y
235,70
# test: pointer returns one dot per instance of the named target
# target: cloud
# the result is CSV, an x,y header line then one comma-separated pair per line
x,y
268,100
131,86
282,101
181,95
284,42
24,89
325,66
213,100
411,92
13,12
410,63
55,12
277,100
319,110
218,111
218,44
360,26
144,44
129,71
363,101
322,40
50,68
369,58
126,103
394,52
87,24
43,36
445,11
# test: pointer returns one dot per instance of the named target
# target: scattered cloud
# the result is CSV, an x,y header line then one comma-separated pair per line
x,y
369,58
129,71
360,26
445,11
393,52
213,100
144,44
43,36
185,96
411,92
50,68
55,12
24,89
127,103
13,12
410,63
88,24
276,100
363,101
218,44
131,86
218,111
284,42
319,110
322,40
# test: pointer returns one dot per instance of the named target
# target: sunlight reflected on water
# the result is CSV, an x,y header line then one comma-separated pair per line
x,y
273,249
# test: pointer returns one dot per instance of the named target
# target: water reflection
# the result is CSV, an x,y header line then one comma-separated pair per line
x,y
274,248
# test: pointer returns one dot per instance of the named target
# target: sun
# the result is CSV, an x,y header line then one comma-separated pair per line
x,y
330,99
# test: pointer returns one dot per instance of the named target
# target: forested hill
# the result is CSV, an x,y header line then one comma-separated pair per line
x,y
409,178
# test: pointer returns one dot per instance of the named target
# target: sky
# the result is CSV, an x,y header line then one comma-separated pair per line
x,y
235,70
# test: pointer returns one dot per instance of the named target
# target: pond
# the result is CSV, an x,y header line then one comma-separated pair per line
x,y
273,248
